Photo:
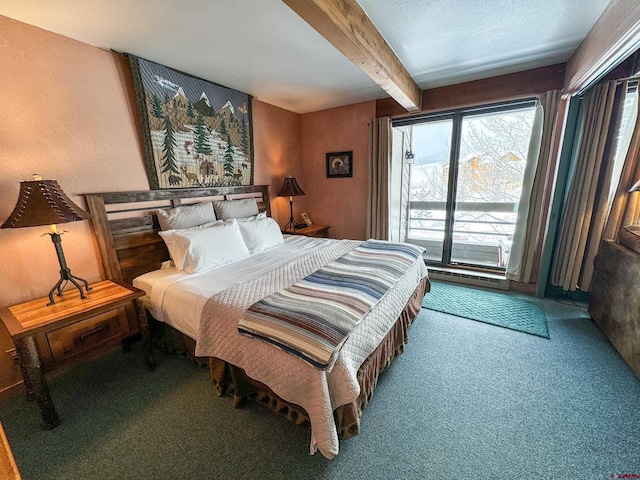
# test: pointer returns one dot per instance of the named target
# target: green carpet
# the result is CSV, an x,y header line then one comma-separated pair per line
x,y
501,309
461,402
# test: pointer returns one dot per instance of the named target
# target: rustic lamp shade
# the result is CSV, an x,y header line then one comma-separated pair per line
x,y
290,189
42,202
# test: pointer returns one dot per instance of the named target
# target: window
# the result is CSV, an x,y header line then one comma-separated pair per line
x,y
625,132
462,183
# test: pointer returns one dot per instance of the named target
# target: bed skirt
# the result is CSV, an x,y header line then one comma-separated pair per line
x,y
231,380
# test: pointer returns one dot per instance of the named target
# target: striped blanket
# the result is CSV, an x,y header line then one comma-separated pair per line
x,y
313,317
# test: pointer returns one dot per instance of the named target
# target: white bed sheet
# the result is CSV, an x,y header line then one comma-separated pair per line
x,y
177,298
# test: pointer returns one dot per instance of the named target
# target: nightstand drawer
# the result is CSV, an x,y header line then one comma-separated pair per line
x,y
72,340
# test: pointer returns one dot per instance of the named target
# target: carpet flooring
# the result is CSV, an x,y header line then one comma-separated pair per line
x,y
508,310
466,400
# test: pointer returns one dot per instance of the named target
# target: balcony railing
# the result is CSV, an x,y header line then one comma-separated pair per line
x,y
482,233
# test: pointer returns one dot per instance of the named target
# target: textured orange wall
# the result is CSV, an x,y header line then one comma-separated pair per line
x,y
277,145
67,114
338,202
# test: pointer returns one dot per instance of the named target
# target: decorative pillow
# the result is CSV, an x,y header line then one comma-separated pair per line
x,y
261,234
187,216
196,250
630,237
226,209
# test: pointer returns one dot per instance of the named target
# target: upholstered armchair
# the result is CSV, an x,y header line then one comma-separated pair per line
x,y
615,294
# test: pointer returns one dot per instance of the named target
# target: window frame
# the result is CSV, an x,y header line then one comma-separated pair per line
x,y
457,116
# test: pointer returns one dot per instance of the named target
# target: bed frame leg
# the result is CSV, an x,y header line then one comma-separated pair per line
x,y
147,346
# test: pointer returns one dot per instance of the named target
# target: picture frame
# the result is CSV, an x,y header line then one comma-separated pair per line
x,y
340,164
195,133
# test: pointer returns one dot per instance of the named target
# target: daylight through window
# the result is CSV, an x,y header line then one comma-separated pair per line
x,y
462,182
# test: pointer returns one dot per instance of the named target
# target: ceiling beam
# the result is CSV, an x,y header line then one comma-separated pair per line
x,y
348,28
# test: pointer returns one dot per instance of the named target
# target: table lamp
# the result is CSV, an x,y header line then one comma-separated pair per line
x,y
290,189
42,202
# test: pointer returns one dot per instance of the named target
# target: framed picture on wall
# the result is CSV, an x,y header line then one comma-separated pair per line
x,y
339,164
195,133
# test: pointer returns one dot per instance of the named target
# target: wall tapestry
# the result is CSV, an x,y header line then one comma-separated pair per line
x,y
195,133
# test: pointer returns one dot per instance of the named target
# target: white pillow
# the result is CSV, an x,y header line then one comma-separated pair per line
x,y
261,234
226,209
186,216
261,215
169,236
196,250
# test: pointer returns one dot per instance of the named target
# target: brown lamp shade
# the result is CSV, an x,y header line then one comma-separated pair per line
x,y
290,188
42,202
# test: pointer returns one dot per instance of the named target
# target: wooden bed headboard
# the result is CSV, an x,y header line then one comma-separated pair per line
x,y
126,225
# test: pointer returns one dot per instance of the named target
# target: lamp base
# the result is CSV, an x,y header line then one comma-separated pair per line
x,y
290,226
65,273
66,276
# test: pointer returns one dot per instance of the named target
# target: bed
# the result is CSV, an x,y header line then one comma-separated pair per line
x,y
204,309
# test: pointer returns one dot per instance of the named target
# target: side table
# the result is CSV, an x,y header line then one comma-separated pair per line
x,y
72,328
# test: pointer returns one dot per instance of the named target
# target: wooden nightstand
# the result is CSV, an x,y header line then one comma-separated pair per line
x,y
72,328
320,231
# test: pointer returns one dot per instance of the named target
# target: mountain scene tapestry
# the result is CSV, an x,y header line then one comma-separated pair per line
x,y
195,133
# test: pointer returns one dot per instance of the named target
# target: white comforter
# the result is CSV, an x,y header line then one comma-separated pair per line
x,y
179,299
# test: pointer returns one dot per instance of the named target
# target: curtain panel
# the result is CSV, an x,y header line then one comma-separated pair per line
x,y
625,208
587,205
532,214
378,198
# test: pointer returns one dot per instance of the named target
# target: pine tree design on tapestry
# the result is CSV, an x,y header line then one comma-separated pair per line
x,y
195,133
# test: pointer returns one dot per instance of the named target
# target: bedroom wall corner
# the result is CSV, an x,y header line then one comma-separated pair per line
x,y
338,202
277,153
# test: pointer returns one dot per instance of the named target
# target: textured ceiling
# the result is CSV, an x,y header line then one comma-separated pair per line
x,y
263,48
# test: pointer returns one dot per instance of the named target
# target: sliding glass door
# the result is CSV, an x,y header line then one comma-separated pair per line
x,y
463,183
428,184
